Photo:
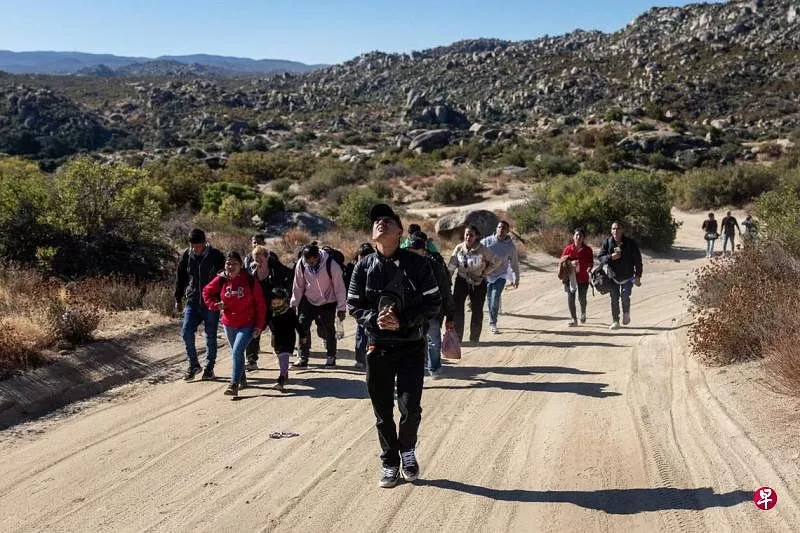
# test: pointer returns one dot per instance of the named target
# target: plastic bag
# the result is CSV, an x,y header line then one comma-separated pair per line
x,y
451,347
339,329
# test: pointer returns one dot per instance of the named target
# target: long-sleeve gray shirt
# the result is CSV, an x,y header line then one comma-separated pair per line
x,y
505,250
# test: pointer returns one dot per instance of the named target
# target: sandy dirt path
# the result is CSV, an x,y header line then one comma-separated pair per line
x,y
541,428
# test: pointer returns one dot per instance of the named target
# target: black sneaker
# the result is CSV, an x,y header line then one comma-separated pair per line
x,y
208,374
300,362
243,381
251,366
192,372
232,390
410,468
390,476
330,361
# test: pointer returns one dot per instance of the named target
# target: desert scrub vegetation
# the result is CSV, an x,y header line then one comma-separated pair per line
x,y
707,188
461,189
745,305
593,201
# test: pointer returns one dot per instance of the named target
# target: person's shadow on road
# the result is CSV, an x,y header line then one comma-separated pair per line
x,y
612,501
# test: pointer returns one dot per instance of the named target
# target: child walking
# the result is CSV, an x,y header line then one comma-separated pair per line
x,y
283,326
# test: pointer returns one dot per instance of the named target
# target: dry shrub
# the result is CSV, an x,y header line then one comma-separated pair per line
x,y
345,240
109,293
226,242
741,304
159,297
22,289
294,239
552,240
21,342
74,322
782,359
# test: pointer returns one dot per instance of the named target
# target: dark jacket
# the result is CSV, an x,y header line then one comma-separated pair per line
x,y
195,272
405,279
442,275
627,266
710,226
283,328
280,275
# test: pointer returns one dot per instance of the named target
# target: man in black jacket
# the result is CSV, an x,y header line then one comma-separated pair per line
x,y
392,295
624,261
198,266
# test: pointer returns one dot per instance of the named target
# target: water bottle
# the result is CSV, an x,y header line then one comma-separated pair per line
x,y
339,329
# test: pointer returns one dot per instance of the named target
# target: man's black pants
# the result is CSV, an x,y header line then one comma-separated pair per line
x,y
325,317
404,363
477,297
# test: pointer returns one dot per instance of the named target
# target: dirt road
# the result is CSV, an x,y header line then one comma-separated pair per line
x,y
541,428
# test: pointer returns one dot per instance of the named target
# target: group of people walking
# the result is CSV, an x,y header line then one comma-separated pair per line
x,y
730,227
400,291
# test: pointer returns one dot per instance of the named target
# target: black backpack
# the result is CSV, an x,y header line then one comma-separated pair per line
x,y
333,255
600,279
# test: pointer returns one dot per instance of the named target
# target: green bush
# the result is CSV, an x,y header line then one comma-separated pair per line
x,y
281,185
592,200
354,209
734,185
214,194
613,114
453,191
23,210
237,211
779,217
269,166
183,180
334,174
270,204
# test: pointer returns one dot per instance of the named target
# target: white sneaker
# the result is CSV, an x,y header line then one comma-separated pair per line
x,y
435,374
626,319
494,329
614,325
572,323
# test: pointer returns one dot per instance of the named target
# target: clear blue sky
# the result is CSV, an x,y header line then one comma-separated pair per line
x,y
310,31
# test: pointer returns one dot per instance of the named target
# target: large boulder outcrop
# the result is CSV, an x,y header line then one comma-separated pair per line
x,y
454,223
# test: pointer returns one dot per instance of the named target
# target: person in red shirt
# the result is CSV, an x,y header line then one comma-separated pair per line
x,y
582,259
240,298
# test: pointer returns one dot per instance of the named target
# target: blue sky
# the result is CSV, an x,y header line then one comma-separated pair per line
x,y
310,31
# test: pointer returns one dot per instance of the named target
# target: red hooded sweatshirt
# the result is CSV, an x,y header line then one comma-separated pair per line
x,y
243,298
585,259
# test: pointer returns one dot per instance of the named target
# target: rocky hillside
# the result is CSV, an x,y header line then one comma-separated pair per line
x,y
734,67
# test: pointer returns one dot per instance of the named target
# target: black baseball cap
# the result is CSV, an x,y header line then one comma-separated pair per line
x,y
381,211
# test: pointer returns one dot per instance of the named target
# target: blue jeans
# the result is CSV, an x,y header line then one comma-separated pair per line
x,y
494,291
361,345
238,338
710,247
618,291
434,344
193,315
725,239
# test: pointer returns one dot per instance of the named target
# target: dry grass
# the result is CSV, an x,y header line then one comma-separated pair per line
x,y
21,344
159,297
552,240
110,294
782,360
226,242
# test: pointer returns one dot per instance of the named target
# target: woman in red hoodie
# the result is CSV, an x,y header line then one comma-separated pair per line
x,y
241,300
582,260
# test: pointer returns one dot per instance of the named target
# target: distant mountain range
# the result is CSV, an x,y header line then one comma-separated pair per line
x,y
109,65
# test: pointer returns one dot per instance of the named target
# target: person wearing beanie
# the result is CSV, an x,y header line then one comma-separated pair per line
x,y
198,265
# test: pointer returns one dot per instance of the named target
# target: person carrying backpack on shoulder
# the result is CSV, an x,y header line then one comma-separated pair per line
x,y
624,261
318,295
581,258
235,293
198,265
